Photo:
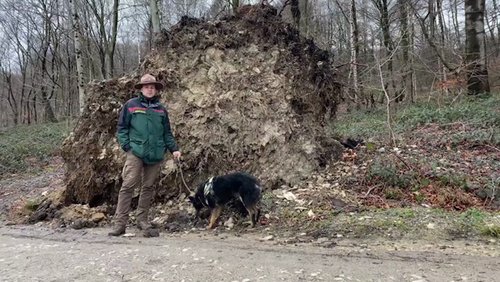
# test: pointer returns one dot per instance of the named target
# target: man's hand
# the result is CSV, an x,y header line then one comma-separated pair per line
x,y
177,155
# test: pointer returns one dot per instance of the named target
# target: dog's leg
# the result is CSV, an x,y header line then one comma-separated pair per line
x,y
253,212
214,216
257,214
250,214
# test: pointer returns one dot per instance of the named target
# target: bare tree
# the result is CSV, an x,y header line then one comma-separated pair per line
x,y
173,10
384,21
295,9
442,39
235,4
475,48
306,15
11,98
456,26
351,17
105,39
41,18
155,16
53,47
111,45
496,21
387,97
78,53
428,32
354,49
407,68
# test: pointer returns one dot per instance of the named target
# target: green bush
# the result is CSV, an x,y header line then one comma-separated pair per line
x,y
25,146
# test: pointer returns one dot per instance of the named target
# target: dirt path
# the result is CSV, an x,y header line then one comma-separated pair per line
x,y
16,190
35,253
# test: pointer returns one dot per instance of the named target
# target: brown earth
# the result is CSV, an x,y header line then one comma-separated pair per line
x,y
350,198
248,93
244,93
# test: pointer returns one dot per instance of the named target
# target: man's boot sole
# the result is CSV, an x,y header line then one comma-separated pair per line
x,y
116,232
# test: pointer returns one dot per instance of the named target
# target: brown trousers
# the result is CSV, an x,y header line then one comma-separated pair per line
x,y
135,172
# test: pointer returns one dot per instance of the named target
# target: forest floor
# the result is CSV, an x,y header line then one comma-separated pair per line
x,y
439,183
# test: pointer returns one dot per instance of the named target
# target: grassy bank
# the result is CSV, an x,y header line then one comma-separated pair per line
x,y
481,115
26,148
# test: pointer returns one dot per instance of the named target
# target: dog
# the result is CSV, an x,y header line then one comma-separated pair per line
x,y
217,192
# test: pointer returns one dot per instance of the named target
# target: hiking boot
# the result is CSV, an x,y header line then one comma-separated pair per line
x,y
149,230
119,230
144,225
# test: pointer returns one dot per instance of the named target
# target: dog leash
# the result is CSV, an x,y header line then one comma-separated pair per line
x,y
179,169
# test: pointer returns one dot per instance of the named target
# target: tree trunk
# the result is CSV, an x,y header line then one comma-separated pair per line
x,y
382,6
78,54
475,48
456,26
3,114
432,19
413,75
155,23
155,16
491,29
490,19
405,46
496,13
442,39
11,98
34,115
236,5
354,40
111,45
48,110
43,56
295,9
306,16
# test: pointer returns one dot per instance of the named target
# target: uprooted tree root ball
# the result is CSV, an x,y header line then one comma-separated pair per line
x,y
243,93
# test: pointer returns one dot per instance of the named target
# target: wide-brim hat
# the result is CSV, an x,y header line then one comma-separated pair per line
x,y
149,79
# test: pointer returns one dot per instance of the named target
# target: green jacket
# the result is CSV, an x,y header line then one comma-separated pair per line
x,y
144,128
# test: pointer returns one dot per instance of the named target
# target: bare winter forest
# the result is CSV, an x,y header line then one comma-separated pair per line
x,y
385,51
365,121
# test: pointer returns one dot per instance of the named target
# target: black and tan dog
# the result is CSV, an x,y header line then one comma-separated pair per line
x,y
218,191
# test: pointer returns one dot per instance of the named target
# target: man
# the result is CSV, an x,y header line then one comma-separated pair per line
x,y
144,134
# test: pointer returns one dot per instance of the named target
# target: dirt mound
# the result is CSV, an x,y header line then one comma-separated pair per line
x,y
243,93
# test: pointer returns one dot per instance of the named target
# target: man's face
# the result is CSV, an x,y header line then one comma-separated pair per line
x,y
149,90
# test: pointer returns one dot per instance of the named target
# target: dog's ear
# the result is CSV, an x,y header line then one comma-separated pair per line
x,y
191,199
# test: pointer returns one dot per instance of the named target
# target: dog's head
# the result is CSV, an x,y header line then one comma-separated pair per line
x,y
196,202
198,199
